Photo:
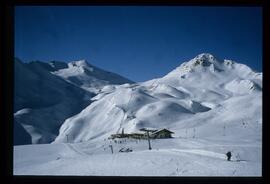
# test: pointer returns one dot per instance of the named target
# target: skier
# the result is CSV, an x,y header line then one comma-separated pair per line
x,y
238,159
229,155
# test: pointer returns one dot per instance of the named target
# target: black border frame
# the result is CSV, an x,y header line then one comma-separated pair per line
x,y
7,38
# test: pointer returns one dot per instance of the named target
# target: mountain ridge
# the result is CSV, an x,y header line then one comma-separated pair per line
x,y
201,92
197,86
43,100
89,77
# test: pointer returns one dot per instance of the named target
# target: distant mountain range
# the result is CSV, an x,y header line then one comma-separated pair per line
x,y
56,100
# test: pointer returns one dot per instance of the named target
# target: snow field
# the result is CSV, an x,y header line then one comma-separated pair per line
x,y
168,157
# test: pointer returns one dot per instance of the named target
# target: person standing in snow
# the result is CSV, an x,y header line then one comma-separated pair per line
x,y
229,155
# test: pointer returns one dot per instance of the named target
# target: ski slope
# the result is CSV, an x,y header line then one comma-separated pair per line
x,y
212,96
168,157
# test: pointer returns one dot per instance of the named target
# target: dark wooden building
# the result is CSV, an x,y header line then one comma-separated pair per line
x,y
160,134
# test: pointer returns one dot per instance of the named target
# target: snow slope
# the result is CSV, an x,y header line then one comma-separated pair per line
x,y
89,77
43,100
212,106
212,94
169,157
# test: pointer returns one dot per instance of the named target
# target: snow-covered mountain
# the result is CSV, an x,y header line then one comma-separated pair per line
x,y
204,93
45,94
88,77
212,105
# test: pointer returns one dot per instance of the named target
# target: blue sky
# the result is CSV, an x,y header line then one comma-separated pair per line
x,y
138,42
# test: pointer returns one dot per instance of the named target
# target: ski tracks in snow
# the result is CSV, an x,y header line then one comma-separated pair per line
x,y
199,152
71,147
207,153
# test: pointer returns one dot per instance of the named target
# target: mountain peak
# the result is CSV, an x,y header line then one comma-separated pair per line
x,y
205,58
201,63
82,62
205,55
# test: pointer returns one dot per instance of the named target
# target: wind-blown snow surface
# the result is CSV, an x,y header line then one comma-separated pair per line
x,y
212,106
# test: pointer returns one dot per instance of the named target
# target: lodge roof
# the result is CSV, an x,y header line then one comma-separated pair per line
x,y
161,130
150,130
